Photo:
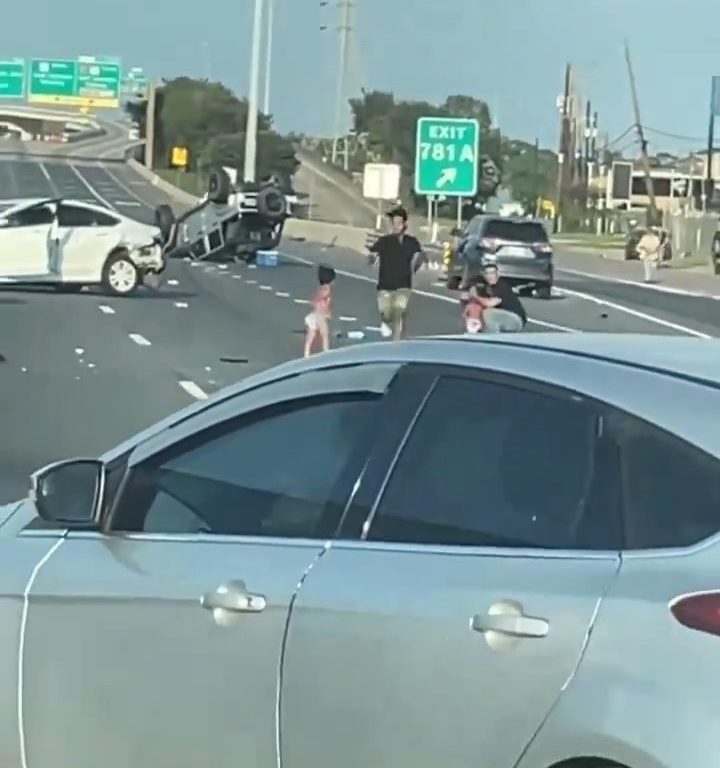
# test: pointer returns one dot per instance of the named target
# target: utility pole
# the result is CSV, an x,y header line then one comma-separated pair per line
x,y
347,8
652,208
709,180
564,104
268,55
251,128
150,126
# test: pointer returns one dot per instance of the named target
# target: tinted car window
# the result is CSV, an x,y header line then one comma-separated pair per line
x,y
31,217
271,475
76,216
670,489
493,465
517,231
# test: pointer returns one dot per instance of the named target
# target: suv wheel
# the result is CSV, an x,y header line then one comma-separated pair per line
x,y
453,282
544,291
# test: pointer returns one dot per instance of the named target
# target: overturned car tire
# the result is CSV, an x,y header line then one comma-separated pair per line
x,y
219,186
164,221
271,203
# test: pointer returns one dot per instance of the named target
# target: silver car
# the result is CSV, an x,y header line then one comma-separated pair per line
x,y
442,552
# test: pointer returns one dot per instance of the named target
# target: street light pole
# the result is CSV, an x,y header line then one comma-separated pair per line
x,y
268,55
251,127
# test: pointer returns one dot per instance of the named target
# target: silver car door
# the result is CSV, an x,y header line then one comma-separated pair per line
x,y
25,242
448,631
20,556
158,641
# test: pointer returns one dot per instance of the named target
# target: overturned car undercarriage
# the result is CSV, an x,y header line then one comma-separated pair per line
x,y
229,223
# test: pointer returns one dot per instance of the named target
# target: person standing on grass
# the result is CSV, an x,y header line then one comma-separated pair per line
x,y
649,252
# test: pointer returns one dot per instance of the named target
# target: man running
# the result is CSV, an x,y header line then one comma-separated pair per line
x,y
400,256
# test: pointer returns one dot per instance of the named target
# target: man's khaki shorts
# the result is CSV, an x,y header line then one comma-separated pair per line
x,y
393,303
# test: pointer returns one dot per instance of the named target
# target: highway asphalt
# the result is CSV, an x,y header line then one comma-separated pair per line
x,y
82,372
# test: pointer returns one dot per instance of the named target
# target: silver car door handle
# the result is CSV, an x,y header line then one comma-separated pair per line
x,y
513,626
233,597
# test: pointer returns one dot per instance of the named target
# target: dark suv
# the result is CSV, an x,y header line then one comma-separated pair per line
x,y
521,248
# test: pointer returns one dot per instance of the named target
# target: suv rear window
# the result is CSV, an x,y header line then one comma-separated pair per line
x,y
516,231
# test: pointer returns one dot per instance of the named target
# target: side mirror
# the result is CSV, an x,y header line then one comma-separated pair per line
x,y
69,492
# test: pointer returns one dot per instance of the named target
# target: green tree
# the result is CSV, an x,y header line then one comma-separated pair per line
x,y
209,120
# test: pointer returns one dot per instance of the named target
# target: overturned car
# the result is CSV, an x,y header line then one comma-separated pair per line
x,y
230,222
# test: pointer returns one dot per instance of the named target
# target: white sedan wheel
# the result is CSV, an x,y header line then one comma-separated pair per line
x,y
121,276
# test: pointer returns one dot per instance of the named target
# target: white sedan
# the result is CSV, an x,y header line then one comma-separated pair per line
x,y
70,244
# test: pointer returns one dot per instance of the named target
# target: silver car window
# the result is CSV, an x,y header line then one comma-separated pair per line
x,y
271,473
493,465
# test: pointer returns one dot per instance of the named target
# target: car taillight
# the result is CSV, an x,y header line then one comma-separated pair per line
x,y
543,248
489,244
700,612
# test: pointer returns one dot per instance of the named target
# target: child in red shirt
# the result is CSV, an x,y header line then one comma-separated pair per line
x,y
472,311
317,323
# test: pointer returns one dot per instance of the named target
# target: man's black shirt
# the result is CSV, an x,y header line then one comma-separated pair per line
x,y
508,300
396,261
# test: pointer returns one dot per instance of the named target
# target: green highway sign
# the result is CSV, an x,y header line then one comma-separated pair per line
x,y
446,156
135,83
87,82
12,79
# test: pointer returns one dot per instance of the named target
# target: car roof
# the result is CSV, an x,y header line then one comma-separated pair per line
x,y
693,360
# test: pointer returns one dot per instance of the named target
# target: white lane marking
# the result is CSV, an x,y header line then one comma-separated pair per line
x,y
173,282
638,284
252,266
181,304
282,294
302,301
21,649
237,277
128,203
375,328
120,183
139,340
430,294
266,287
106,310
193,390
251,282
635,313
91,189
79,351
347,319
46,174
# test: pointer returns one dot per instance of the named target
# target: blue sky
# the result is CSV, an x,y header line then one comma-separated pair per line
x,y
510,53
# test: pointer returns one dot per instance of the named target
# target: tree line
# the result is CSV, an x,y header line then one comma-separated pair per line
x,y
209,120
384,130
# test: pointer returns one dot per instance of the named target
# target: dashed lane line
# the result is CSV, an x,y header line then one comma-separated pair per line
x,y
282,294
193,390
635,313
106,310
140,340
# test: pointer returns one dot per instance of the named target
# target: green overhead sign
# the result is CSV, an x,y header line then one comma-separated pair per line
x,y
85,82
446,156
12,79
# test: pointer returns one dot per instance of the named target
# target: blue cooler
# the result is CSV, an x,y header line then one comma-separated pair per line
x,y
267,259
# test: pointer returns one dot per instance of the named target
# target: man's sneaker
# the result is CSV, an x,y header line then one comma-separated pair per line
x,y
385,331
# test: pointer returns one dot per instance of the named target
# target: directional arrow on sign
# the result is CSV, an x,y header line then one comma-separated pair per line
x,y
447,176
